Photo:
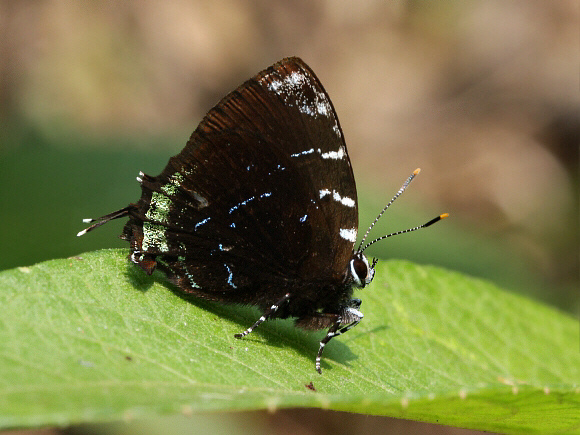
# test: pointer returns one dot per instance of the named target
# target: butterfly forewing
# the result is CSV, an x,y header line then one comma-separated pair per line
x,y
263,193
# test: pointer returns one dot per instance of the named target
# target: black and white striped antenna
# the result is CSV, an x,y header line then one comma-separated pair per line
x,y
399,193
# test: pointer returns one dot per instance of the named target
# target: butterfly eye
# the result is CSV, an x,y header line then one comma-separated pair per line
x,y
359,268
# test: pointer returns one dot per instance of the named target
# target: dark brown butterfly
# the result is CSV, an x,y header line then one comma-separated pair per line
x,y
260,207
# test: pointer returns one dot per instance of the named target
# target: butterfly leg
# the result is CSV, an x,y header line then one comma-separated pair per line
x,y
349,316
269,312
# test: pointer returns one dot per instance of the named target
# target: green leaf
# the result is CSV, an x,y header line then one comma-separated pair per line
x,y
92,338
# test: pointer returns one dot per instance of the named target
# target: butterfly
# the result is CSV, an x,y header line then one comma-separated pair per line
x,y
260,207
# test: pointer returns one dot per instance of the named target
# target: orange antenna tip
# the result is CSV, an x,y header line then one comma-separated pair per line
x,y
416,171
444,215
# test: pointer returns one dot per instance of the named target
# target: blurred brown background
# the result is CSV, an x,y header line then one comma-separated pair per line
x,y
482,95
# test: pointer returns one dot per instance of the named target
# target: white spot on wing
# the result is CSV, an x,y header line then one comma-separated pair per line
x,y
275,85
344,200
349,202
297,79
348,234
291,88
335,155
307,110
302,153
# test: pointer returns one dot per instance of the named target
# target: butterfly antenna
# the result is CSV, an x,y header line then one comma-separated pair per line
x,y
401,190
425,225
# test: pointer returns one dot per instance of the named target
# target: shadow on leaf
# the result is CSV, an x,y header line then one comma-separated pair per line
x,y
278,333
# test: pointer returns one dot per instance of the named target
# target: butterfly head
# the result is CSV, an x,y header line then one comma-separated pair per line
x,y
362,273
